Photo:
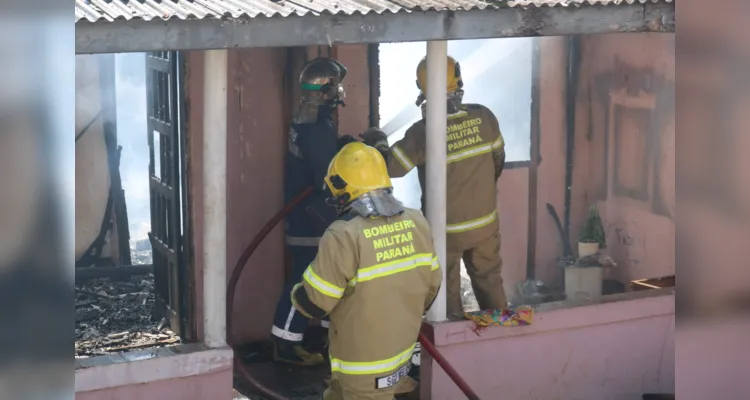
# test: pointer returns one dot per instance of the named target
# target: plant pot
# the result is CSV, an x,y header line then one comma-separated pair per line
x,y
587,249
583,282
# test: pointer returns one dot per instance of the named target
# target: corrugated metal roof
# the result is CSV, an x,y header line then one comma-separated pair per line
x,y
111,10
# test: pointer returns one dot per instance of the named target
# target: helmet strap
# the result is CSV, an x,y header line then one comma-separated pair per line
x,y
455,100
452,106
341,201
335,102
420,99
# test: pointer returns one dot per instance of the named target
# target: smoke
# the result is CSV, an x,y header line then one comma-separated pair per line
x,y
130,69
130,118
91,164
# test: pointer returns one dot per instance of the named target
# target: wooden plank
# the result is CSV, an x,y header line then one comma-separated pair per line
x,y
83,274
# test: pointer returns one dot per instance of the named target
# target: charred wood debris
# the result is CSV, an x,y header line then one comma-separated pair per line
x,y
114,309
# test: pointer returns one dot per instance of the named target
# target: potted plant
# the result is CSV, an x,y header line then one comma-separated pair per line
x,y
584,275
592,238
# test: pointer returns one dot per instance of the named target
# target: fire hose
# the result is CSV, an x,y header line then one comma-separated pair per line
x,y
237,272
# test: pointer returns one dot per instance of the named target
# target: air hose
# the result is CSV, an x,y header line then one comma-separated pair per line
x,y
237,272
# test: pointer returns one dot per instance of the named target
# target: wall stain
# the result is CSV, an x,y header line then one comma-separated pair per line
x,y
635,83
631,242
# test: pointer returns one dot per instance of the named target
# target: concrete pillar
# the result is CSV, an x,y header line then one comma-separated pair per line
x,y
437,119
215,198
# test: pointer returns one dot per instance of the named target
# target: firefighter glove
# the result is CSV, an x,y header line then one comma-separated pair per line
x,y
376,138
344,140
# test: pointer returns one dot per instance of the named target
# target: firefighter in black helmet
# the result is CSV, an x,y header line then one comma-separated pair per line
x,y
312,143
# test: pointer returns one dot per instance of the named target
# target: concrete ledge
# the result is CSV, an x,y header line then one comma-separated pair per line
x,y
150,366
614,347
566,315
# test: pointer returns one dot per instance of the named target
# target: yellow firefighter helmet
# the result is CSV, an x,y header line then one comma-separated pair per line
x,y
453,81
355,170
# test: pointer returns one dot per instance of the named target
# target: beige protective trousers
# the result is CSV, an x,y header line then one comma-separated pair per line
x,y
357,388
483,264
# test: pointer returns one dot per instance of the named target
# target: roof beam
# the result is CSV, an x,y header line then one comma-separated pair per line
x,y
176,34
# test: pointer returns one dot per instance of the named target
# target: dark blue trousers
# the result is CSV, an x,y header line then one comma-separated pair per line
x,y
288,323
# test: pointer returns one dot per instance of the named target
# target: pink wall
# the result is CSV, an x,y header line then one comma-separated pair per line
x,y
260,99
623,158
551,180
354,118
188,371
255,170
625,149
616,349
216,385
512,202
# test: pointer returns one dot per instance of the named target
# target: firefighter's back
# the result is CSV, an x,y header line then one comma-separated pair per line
x,y
375,326
472,195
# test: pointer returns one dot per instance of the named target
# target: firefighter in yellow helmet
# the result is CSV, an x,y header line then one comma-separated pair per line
x,y
476,156
375,275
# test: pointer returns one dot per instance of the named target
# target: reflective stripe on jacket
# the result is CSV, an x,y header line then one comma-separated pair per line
x,y
375,278
473,135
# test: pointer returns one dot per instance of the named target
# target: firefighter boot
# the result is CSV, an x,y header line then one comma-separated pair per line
x,y
293,353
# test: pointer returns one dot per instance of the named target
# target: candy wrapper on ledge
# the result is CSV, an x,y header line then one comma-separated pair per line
x,y
501,317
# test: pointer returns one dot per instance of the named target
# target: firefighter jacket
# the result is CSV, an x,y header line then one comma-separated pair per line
x,y
310,149
375,278
473,135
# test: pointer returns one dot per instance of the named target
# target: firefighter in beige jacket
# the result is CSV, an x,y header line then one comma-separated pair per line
x,y
375,275
476,156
